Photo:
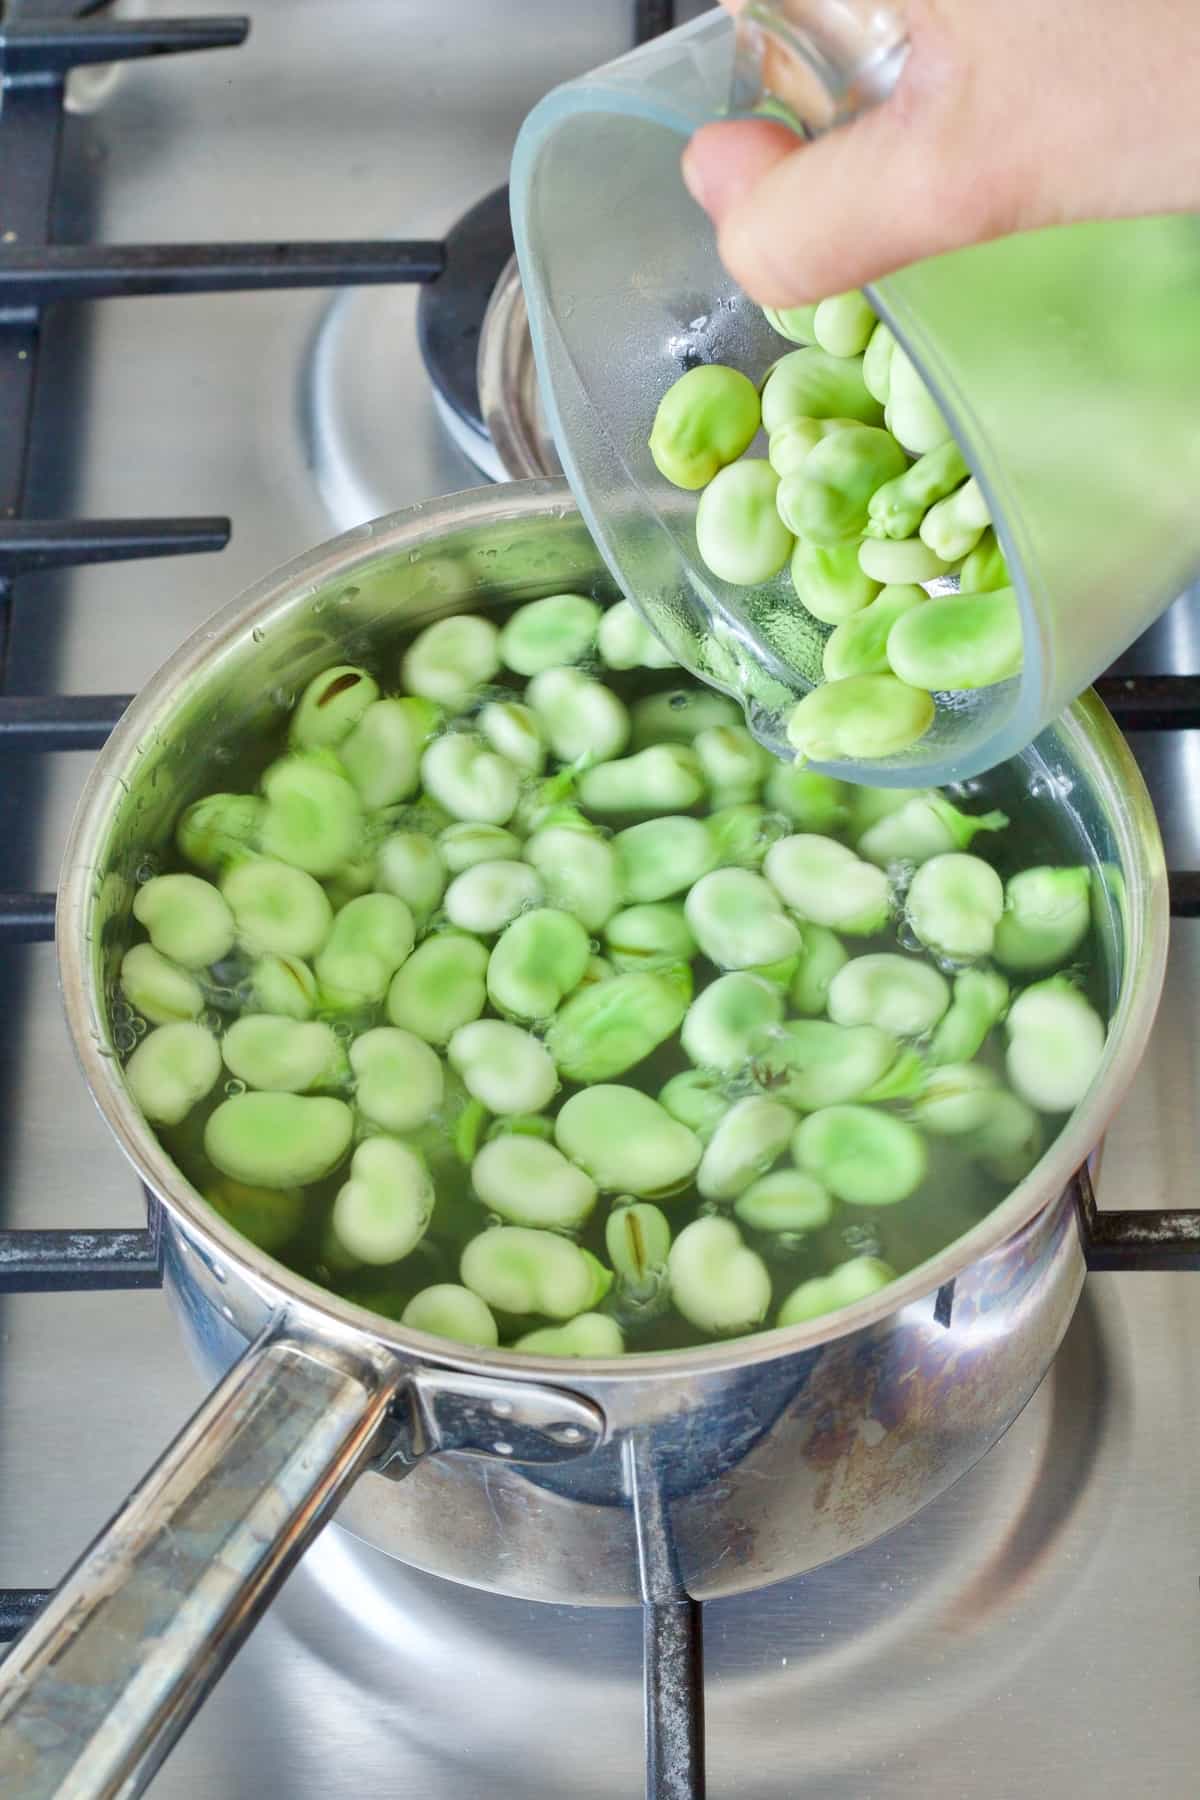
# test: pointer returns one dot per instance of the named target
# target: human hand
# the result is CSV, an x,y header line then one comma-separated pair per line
x,y
1004,119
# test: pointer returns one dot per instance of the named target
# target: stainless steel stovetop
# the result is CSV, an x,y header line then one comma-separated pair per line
x,y
1036,1630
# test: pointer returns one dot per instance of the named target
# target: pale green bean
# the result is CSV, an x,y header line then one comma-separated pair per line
x,y
900,994
331,706
1047,913
733,765
812,384
912,414
489,895
187,919
738,921
282,1055
463,845
216,831
825,883
787,1201
589,1334
810,1063
825,501
627,1142
697,1099
792,322
637,1238
900,562
579,872
172,1069
1055,1045
860,716
877,364
741,835
704,421
538,960
508,1069
750,1138
928,825
470,780
653,936
955,1098
313,816
679,715
625,641
664,779
959,641
409,864
858,646
829,582
284,985
278,1140
863,1156
382,755
580,718
382,1211
820,957
954,903
813,802
452,658
518,1270
953,526
843,324
277,910
611,1026
369,939
526,1181
513,731
549,633
662,857
790,443
447,1310
719,1285
855,1280
897,508
725,1023
440,987
400,1083
158,989
739,533
985,569
980,997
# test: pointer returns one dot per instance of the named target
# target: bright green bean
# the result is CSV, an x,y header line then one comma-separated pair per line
x,y
579,717
590,1334
277,910
750,1138
790,443
741,835
638,1240
382,755
654,936
382,1211
954,526
269,1217
284,985
925,826
278,1140
1055,1045
843,325
897,563
513,731
448,1311
172,1068
849,1282
900,994
860,716
470,780
877,364
704,421
538,960
526,1181
809,1063
985,569
489,895
625,641
508,1069
697,1099
821,955
613,1025
725,1023
217,830
187,919
519,1270
829,582
792,322
579,872
463,845
738,920
912,414
863,1156
663,779
825,501
451,658
549,633
679,715
897,508
858,646
440,987
827,884
410,865
812,384
627,1142
331,706
739,534
159,990
282,1055
719,1285
954,904
1046,917
399,1080
662,857
980,997
955,1098
785,1201
313,817
369,939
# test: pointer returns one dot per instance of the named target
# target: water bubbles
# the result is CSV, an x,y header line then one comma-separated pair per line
x,y
862,1240
282,698
258,634
139,1028
210,1020
347,596
233,1087
122,1012
124,1039
146,870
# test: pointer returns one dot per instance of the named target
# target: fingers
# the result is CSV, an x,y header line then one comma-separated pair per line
x,y
724,163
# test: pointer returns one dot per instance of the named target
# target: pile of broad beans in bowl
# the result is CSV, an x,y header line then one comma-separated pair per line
x,y
523,998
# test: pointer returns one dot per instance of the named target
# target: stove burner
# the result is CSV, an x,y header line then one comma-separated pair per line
x,y
450,311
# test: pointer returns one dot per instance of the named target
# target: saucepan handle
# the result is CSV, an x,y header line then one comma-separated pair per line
x,y
95,1693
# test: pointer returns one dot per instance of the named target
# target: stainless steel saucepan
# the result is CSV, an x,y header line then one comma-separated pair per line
x,y
651,1477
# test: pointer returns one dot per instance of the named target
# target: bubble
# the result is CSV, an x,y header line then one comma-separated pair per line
x,y
258,634
146,870
210,1020
234,1087
122,1013
139,1028
281,697
124,1039
862,1240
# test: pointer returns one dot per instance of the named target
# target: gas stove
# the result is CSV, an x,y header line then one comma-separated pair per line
x,y
1036,1628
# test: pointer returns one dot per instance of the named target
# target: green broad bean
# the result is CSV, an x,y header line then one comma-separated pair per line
x,y
678,716
791,442
825,883
785,1201
792,322
902,1081
369,939
591,1334
725,1023
278,1140
269,1217
549,633
912,415
925,826
733,765
697,1099
537,961
810,1063
980,998
216,831
863,1156
860,716
954,904
664,779
535,1125
381,1213
277,910
704,421
953,526
896,509
812,384
858,645
382,755
813,802
985,569
519,1270
283,1056
1046,917
855,1280
489,895
637,1238
900,562
654,936
1055,1045
451,659
579,872
1008,1141
613,1025
825,501
462,846
313,816
513,731
750,1138
526,1181
172,1068
158,989
447,1310
399,1080
186,918
580,718
900,994
284,985
439,989
331,706
739,533
662,857
410,865
844,324
955,1098
625,641
469,1122
829,582
877,364
738,921
627,1142
598,969
471,781
820,957
718,1284
508,1069
740,836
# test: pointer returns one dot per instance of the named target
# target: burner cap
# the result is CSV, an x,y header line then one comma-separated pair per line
x,y
451,309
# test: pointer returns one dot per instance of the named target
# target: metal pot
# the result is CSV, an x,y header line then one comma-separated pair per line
x,y
651,1477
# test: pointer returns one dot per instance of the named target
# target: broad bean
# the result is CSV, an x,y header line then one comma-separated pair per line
x,y
704,421
738,920
959,641
750,1138
726,1021
812,384
508,1069
278,1140
825,883
877,364
399,1080
792,322
900,562
662,857
158,989
820,957
589,1334
613,1025
954,904
549,633
825,501
1046,917
863,1156
654,936
697,1099
313,816
740,534
277,910
579,871
284,985
900,994
813,802
526,1181
282,1055
410,865
519,1270
733,765
829,582
513,731
855,1280
897,508
172,1068
625,641
810,1063
382,755
955,1098
664,779
843,325
860,716
627,1142
471,781
440,987
489,895
369,939
463,845
980,997
638,1240
331,706
912,414
679,715
1055,1045
215,831
791,442
381,1213
927,825
785,1202
741,835
985,569
858,646
447,1310
451,659
538,960
1008,1141
953,526
579,717
719,1285
187,919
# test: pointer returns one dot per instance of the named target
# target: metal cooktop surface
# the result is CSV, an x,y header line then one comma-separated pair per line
x,y
1038,1629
